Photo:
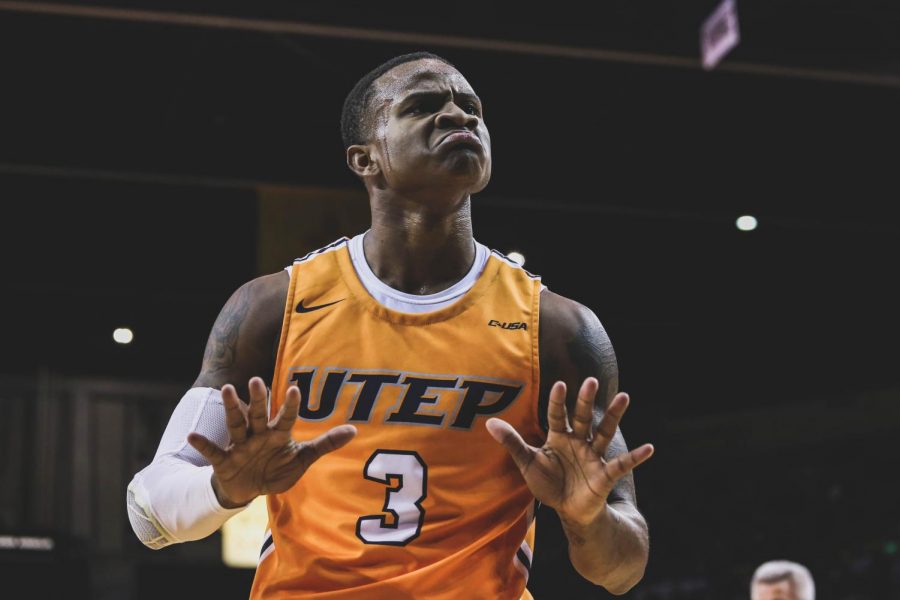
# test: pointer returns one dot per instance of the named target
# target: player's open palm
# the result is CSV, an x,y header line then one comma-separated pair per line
x,y
263,457
569,473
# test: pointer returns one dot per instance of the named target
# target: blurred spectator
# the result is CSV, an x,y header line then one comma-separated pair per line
x,y
782,580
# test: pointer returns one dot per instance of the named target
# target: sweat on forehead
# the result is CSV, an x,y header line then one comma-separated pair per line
x,y
406,76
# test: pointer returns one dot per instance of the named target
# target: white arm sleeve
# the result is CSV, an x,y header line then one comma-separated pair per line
x,y
172,500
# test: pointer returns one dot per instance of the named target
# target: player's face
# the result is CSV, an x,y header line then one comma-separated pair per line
x,y
782,590
429,129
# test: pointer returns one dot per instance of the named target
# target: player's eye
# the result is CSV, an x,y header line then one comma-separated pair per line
x,y
471,108
425,106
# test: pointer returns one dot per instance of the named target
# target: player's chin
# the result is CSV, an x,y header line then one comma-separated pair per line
x,y
473,168
473,183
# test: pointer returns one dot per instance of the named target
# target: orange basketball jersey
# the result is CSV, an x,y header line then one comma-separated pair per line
x,y
422,503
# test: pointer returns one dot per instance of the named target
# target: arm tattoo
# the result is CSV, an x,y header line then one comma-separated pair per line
x,y
220,350
592,353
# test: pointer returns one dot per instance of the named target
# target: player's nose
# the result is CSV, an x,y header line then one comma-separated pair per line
x,y
452,116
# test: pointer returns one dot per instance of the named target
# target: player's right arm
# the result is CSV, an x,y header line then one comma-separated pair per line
x,y
244,339
218,453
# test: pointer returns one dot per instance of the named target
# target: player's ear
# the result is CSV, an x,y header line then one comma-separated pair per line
x,y
361,161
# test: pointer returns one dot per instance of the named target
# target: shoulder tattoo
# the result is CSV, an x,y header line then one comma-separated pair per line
x,y
221,348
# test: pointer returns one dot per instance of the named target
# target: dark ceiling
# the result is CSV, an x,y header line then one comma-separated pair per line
x,y
130,150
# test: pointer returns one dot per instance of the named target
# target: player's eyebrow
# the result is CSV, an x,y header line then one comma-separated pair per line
x,y
435,94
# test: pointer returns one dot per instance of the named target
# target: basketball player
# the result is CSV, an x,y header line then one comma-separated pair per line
x,y
782,580
441,388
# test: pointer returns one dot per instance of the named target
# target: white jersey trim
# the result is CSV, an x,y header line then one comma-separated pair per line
x,y
523,559
414,303
268,546
335,245
402,301
516,265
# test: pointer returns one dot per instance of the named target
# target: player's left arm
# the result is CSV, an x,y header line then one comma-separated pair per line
x,y
584,469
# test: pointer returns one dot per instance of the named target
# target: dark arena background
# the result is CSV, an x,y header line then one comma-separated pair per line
x,y
156,155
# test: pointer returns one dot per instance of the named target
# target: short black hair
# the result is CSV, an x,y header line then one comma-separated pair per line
x,y
356,104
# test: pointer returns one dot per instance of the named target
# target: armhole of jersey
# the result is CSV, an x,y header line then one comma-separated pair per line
x,y
285,326
536,351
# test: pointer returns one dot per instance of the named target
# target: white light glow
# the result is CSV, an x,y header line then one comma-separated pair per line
x,y
123,335
516,257
746,223
243,534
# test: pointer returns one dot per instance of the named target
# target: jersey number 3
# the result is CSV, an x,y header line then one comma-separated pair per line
x,y
402,515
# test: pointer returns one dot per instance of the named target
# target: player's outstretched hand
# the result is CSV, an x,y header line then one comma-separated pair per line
x,y
569,473
262,458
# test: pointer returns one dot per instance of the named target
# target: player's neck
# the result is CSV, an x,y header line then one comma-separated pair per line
x,y
417,249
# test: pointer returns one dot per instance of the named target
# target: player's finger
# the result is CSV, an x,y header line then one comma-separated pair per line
x,y
210,451
258,419
625,463
235,414
557,419
584,408
522,454
609,424
288,413
331,440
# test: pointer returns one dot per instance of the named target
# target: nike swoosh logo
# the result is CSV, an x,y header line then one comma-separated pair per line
x,y
306,309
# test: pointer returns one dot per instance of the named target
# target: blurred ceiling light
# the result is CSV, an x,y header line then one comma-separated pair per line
x,y
516,257
123,335
746,223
